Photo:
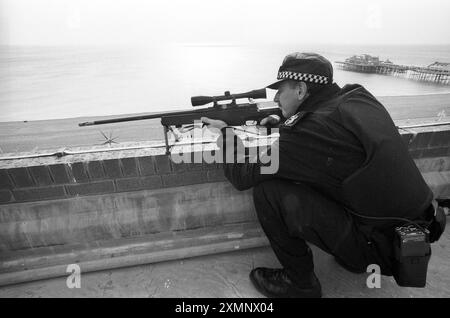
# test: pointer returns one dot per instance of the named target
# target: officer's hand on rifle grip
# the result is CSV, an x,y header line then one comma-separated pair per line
x,y
270,120
214,123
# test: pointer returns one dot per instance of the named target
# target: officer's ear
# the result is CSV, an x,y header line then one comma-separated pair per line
x,y
302,91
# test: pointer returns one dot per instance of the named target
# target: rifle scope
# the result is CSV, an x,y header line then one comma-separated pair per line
x,y
202,100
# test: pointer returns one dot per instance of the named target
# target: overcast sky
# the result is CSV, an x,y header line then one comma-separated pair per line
x,y
87,22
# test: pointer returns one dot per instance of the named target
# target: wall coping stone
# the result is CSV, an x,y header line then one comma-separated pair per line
x,y
158,148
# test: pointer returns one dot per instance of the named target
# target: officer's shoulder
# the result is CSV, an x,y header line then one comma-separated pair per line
x,y
358,100
294,119
355,91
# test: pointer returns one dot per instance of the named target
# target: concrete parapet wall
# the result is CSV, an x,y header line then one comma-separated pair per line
x,y
73,179
123,171
54,210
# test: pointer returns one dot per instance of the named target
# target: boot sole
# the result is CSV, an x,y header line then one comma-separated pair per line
x,y
311,294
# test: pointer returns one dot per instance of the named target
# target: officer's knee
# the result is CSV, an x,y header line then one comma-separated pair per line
x,y
278,191
265,197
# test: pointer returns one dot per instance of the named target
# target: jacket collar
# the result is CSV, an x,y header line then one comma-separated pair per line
x,y
326,93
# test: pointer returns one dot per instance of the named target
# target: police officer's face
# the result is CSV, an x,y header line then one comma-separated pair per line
x,y
290,96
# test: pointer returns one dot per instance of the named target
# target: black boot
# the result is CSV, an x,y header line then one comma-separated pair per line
x,y
275,283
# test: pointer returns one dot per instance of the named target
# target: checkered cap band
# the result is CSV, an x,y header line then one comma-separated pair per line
x,y
304,77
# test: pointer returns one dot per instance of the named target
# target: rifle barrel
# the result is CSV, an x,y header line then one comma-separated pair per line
x,y
141,117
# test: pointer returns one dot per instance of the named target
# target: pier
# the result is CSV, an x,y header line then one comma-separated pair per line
x,y
436,72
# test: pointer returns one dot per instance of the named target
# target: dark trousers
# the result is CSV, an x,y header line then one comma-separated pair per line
x,y
292,214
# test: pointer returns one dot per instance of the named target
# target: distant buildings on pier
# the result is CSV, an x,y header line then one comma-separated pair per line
x,y
440,66
437,72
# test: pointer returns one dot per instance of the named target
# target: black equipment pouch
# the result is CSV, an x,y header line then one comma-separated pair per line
x,y
412,252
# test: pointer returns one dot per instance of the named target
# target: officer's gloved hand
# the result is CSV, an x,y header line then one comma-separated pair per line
x,y
213,123
271,120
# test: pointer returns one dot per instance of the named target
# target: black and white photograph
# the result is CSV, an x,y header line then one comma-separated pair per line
x,y
220,154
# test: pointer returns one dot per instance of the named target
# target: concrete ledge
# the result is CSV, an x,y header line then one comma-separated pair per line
x,y
439,182
45,263
89,219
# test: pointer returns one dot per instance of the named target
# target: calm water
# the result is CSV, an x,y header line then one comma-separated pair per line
x,y
61,82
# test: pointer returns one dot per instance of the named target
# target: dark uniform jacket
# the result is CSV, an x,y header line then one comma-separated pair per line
x,y
344,144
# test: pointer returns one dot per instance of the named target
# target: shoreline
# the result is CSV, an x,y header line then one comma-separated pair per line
x,y
20,136
383,98
98,117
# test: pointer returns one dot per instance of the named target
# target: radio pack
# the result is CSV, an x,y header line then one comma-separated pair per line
x,y
412,253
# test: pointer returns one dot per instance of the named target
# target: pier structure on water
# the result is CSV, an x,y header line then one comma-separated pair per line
x,y
437,72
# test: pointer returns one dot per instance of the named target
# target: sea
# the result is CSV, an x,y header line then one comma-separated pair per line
x,y
52,82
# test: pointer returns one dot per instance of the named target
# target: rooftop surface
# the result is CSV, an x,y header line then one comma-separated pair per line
x,y
226,276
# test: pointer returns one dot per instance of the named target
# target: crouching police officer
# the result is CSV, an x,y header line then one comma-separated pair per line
x,y
342,164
